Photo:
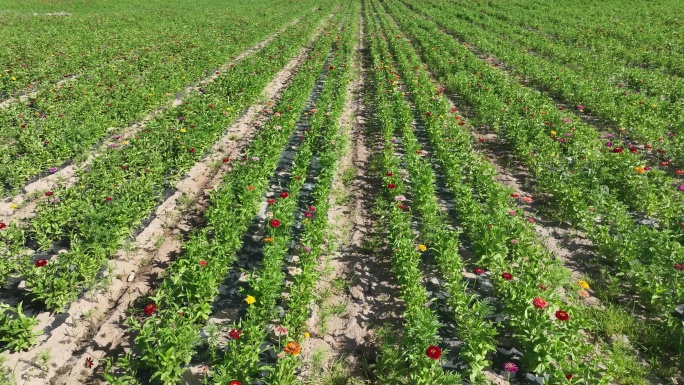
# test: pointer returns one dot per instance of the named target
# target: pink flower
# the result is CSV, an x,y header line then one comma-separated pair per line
x,y
510,367
511,212
539,303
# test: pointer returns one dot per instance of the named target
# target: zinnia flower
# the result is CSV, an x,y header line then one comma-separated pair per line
x,y
583,293
292,348
41,262
53,169
108,199
202,262
433,352
617,150
678,266
539,303
274,223
3,225
49,193
250,299
562,315
391,185
507,276
235,382
583,284
235,334
399,198
284,194
389,173
479,271
270,201
639,170
568,377
609,144
421,247
268,240
514,195
149,309
510,367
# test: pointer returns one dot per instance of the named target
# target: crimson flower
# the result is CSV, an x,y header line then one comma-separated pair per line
x,y
235,334
226,160
202,262
678,266
507,276
41,262
270,201
562,315
514,195
539,303
479,271
633,150
389,173
568,377
149,309
236,382
308,214
284,194
433,352
274,223
89,362
108,199
49,193
391,185
617,150
3,225
192,150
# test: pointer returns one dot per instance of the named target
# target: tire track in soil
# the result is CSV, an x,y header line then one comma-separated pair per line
x,y
94,327
66,176
370,299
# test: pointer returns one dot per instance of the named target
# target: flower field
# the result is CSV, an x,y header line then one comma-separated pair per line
x,y
343,192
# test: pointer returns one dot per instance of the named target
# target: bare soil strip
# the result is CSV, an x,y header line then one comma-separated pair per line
x,y
66,176
93,327
354,281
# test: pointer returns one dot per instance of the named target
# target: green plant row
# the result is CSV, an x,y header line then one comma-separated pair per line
x,y
408,363
167,339
123,186
651,116
502,239
242,360
64,123
648,255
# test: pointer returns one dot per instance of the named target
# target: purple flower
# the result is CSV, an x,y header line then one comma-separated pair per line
x,y
54,200
53,170
307,249
255,158
180,118
681,187
609,144
312,209
647,168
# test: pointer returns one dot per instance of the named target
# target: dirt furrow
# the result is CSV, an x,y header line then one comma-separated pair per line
x,y
93,327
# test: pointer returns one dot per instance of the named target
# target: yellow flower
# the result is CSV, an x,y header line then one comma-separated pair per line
x,y
183,130
553,133
250,300
654,105
421,247
583,284
14,206
640,170
307,335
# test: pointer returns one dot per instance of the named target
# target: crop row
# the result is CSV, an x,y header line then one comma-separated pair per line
x,y
63,123
648,255
121,188
168,338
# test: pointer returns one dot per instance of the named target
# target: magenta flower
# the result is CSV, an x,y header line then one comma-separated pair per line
x,y
53,169
510,367
609,144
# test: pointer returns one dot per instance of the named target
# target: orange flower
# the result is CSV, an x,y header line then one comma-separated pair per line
x,y
250,188
292,348
268,240
640,170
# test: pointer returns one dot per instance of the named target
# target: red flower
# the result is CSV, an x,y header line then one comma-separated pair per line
x,y
149,309
618,150
514,195
389,173
3,225
434,352
568,377
236,382
461,123
507,276
479,271
202,262
235,334
270,201
562,315
274,223
284,194
89,363
678,266
41,262
391,185
633,150
49,193
192,150
402,206
108,199
539,303
531,220
482,140
123,167
541,286
679,172
331,67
